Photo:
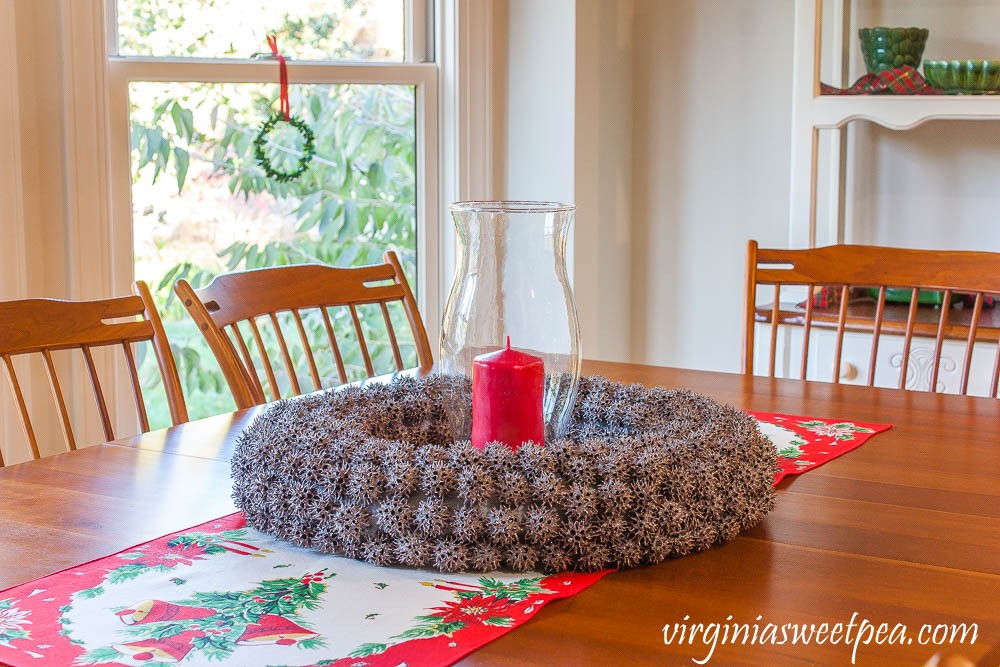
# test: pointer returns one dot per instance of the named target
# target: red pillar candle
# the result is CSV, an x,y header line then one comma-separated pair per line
x,y
507,390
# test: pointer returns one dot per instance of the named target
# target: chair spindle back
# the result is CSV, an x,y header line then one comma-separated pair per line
x,y
841,268
229,307
44,326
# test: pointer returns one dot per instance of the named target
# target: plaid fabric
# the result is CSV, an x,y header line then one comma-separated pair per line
x,y
829,297
824,297
900,81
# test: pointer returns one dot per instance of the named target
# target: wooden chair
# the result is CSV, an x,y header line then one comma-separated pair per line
x,y
44,326
844,267
219,308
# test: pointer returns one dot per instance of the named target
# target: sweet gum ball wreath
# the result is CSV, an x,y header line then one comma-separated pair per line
x,y
642,475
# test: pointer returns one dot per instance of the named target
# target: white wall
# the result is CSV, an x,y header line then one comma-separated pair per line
x,y
603,175
539,99
711,86
33,222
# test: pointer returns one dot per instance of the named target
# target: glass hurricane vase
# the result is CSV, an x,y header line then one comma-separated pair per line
x,y
511,284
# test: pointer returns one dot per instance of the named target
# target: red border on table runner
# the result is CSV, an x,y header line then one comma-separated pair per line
x,y
813,441
59,588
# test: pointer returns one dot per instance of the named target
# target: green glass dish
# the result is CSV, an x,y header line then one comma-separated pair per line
x,y
900,295
971,76
889,48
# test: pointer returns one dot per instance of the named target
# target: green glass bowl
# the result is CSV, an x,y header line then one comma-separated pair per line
x,y
973,76
888,48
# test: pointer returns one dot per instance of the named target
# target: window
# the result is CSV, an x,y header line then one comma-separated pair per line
x,y
189,199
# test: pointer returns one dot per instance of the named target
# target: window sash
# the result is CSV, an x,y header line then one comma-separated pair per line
x,y
218,70
418,70
423,77
418,34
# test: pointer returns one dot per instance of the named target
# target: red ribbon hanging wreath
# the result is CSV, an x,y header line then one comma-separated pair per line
x,y
308,139
272,41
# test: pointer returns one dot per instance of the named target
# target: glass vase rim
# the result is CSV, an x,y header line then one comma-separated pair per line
x,y
511,206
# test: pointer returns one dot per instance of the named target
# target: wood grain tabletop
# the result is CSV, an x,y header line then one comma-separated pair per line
x,y
903,530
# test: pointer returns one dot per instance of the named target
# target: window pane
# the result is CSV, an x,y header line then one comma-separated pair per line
x,y
306,29
202,205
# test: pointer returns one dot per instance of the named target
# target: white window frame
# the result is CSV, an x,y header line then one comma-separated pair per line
x,y
423,76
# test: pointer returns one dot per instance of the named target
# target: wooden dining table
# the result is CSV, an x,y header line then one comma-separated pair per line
x,y
903,530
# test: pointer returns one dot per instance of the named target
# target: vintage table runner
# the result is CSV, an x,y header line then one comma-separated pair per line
x,y
224,593
806,442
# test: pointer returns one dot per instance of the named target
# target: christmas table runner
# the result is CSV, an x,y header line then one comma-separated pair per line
x,y
221,592
806,442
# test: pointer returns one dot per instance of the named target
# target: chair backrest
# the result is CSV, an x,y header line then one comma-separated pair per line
x,y
44,326
231,299
953,274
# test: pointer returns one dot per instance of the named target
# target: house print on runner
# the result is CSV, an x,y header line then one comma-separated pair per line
x,y
215,623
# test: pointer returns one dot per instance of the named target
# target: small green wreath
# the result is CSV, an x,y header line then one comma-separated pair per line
x,y
308,147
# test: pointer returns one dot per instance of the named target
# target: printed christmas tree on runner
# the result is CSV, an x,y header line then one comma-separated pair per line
x,y
215,623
